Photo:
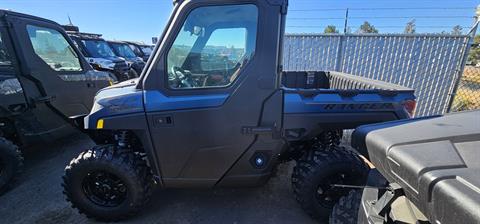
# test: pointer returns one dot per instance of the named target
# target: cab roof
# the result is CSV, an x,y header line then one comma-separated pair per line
x,y
6,12
85,36
117,42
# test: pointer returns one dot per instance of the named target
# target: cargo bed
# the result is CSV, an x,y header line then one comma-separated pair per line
x,y
334,100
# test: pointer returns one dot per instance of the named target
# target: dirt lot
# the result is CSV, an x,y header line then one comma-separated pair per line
x,y
37,197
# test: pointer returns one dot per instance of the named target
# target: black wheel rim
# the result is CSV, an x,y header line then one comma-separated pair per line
x,y
104,189
327,194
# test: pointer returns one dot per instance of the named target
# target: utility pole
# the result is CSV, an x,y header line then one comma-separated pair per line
x,y
346,22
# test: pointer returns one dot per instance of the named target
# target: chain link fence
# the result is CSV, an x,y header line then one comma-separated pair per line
x,y
467,96
429,63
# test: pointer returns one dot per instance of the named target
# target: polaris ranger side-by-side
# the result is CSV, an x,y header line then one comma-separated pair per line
x,y
100,55
43,80
426,171
123,50
210,110
141,50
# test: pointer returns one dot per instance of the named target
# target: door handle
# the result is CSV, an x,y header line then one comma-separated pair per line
x,y
162,121
256,130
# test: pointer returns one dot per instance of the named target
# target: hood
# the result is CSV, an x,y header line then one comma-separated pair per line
x,y
136,60
119,99
115,59
127,83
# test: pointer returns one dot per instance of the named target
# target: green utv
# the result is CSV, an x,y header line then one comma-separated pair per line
x,y
43,81
214,109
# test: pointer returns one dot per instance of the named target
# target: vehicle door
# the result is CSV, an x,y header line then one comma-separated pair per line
x,y
61,75
12,100
212,75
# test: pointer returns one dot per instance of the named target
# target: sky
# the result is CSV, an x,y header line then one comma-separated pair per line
x,y
140,20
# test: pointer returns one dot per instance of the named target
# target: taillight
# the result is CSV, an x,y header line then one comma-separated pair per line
x,y
410,106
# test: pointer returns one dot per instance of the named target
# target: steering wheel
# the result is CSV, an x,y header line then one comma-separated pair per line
x,y
182,77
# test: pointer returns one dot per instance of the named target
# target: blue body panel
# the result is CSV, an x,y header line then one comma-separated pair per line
x,y
324,101
156,101
124,98
114,101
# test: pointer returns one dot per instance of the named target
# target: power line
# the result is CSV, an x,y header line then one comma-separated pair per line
x,y
324,18
374,9
381,17
314,26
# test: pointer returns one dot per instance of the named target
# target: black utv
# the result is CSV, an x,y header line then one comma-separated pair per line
x,y
44,79
123,50
100,55
426,171
141,50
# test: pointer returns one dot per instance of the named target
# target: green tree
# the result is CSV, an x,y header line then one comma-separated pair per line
x,y
474,55
366,27
331,29
410,27
457,30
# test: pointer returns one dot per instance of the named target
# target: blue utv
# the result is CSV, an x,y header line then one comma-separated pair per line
x,y
213,108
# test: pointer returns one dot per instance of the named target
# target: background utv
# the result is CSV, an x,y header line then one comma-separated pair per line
x,y
123,50
141,50
212,112
99,54
44,79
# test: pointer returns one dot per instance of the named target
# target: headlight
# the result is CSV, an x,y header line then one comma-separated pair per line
x,y
106,64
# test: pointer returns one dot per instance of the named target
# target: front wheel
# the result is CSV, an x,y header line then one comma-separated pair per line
x,y
11,163
318,177
107,183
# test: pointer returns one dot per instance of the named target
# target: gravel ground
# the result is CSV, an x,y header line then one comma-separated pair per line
x,y
37,196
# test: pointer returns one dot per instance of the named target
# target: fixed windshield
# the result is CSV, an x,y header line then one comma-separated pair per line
x,y
53,48
98,48
123,50
147,50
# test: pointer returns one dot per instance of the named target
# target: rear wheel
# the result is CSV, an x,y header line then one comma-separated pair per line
x,y
317,173
107,183
11,163
346,210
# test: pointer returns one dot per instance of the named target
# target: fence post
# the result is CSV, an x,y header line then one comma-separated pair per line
x,y
340,52
461,66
